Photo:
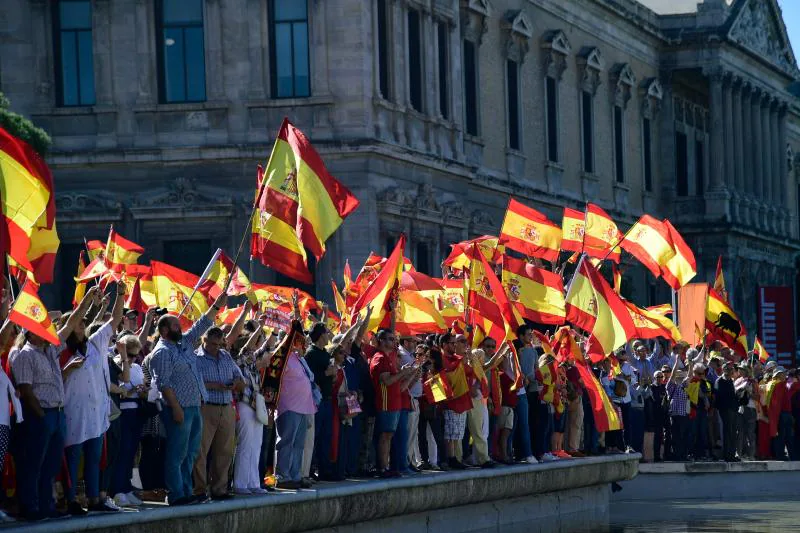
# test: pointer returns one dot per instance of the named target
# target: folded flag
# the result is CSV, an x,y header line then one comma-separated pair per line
x,y
573,226
459,259
529,232
719,278
213,281
651,325
80,286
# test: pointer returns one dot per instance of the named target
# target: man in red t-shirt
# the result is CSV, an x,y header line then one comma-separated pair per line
x,y
387,379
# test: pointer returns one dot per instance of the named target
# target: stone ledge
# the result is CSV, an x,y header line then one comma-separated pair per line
x,y
718,467
361,501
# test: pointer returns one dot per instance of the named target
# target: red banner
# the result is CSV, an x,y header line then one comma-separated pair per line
x,y
776,323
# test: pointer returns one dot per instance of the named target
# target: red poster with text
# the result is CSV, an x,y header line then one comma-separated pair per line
x,y
776,323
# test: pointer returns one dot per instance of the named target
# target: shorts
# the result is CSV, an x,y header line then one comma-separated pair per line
x,y
560,422
386,421
455,424
505,420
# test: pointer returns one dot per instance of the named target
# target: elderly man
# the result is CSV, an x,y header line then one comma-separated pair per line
x,y
174,369
221,377
37,373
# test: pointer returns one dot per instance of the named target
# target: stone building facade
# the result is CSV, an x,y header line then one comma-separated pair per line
x,y
432,111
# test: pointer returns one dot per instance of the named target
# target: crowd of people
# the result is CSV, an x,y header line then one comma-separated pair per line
x,y
188,405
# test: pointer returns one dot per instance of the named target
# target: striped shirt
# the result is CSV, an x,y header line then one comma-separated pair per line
x,y
219,369
40,368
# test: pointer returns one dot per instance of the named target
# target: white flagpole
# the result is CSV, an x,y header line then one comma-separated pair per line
x,y
203,277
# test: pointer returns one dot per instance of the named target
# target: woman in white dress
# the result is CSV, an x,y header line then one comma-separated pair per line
x,y
87,407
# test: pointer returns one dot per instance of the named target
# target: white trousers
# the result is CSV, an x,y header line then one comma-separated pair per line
x,y
249,432
413,434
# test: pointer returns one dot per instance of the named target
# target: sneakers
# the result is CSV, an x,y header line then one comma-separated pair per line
x,y
4,518
133,499
548,457
259,491
75,509
561,454
531,460
288,484
121,499
105,506
455,464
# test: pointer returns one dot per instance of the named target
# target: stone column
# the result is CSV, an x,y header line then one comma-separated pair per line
x,y
766,149
738,146
758,169
716,182
747,153
399,20
783,174
728,130
666,125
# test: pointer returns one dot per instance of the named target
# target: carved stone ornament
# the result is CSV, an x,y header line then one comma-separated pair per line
x,y
397,196
555,49
474,15
518,30
652,95
426,198
758,29
590,65
483,220
184,192
623,80
73,201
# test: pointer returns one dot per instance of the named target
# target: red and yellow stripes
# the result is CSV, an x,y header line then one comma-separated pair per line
x,y
649,242
682,267
30,313
174,287
529,232
605,415
536,293
383,288
601,235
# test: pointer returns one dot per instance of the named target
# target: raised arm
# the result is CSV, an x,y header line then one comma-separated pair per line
x,y
236,330
146,326
78,314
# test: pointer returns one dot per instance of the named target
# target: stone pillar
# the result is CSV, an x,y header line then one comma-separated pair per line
x,y
738,147
783,174
717,134
399,20
747,154
766,149
728,130
666,124
215,68
755,147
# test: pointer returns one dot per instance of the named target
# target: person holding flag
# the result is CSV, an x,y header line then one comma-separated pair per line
x,y
37,373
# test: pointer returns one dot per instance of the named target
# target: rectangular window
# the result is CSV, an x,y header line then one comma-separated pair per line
x,y
471,88
73,52
389,243
182,63
383,51
414,60
619,145
289,50
681,165
444,96
647,158
512,73
587,131
551,104
700,167
423,260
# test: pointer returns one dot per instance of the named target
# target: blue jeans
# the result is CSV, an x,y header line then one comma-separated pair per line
x,y
183,443
399,451
323,433
92,450
291,428
544,431
43,448
590,435
698,434
522,432
131,432
353,437
636,422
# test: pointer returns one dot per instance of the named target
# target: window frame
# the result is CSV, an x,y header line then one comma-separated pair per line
x,y
273,55
57,52
161,60
514,119
383,47
443,69
415,71
475,87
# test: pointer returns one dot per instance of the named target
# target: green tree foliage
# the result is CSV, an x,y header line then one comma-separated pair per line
x,y
22,128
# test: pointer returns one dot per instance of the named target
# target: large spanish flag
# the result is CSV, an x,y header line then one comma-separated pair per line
x,y
605,415
27,201
174,287
649,242
144,273
417,315
30,313
216,277
460,259
274,239
487,301
529,232
682,267
573,225
601,236
723,324
564,346
121,251
451,302
536,293
320,202
593,306
135,300
652,325
383,288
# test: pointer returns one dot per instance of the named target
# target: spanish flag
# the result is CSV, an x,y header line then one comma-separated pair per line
x,y
601,235
437,388
338,299
544,341
487,299
594,307
529,232
605,415
651,325
27,202
536,293
319,201
564,345
460,258
144,273
759,349
416,315
95,249
719,279
616,276
80,286
573,225
451,303
174,287
30,313
97,269
230,315
216,277
383,288
41,254
135,300
682,267
274,239
649,242
278,297
663,309
723,324
121,251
